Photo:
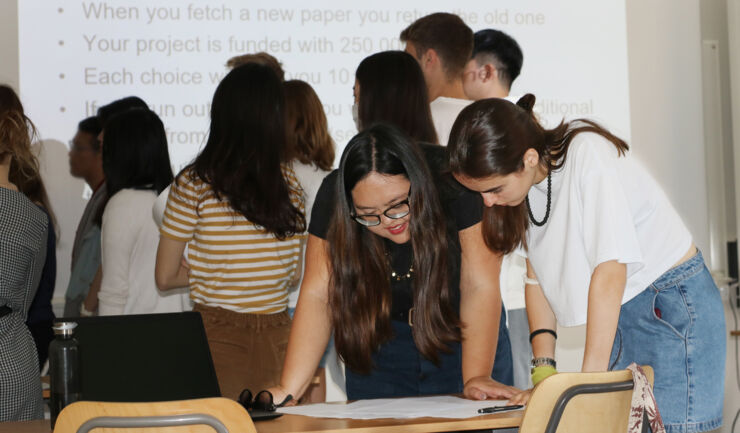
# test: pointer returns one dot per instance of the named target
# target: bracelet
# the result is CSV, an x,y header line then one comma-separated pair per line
x,y
542,361
542,331
541,373
531,281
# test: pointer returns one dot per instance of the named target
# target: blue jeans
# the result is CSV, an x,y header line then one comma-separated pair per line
x,y
401,371
677,326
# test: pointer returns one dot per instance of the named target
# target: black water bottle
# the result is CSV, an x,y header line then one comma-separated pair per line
x,y
64,368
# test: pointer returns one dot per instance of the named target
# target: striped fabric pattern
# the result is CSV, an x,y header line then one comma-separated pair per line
x,y
234,264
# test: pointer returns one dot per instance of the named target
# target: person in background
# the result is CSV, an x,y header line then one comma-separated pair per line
x,y
398,272
496,63
240,211
92,216
28,181
86,162
137,168
260,58
389,87
23,240
310,149
442,44
605,249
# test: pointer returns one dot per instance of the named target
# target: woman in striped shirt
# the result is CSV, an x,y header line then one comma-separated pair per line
x,y
241,213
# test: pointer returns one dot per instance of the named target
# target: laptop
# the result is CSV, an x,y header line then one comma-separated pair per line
x,y
144,358
147,357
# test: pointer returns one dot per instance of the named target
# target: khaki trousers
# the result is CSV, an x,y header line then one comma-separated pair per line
x,y
247,349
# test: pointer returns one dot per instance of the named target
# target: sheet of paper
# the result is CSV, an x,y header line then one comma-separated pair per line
x,y
412,407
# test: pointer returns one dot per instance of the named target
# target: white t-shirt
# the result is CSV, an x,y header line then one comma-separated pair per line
x,y
160,205
129,253
444,112
310,177
511,280
604,207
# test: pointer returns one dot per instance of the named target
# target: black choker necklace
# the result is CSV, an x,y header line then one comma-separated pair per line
x,y
547,211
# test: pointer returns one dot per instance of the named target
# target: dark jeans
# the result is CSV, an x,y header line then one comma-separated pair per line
x,y
401,371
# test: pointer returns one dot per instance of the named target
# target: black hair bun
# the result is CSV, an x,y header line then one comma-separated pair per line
x,y
526,102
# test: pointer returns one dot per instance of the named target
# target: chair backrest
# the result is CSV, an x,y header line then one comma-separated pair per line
x,y
207,415
581,402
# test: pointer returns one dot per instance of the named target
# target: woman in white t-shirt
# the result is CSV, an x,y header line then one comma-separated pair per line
x,y
137,168
605,248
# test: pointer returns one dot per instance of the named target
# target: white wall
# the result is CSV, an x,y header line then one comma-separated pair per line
x,y
9,43
732,382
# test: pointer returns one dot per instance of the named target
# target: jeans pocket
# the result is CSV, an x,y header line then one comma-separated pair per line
x,y
671,311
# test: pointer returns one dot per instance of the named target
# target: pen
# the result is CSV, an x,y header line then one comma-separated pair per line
x,y
500,408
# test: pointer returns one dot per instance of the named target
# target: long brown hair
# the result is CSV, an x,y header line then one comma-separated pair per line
x,y
490,138
360,293
306,129
393,91
241,160
17,133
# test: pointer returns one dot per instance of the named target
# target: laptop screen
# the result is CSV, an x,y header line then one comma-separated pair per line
x,y
147,357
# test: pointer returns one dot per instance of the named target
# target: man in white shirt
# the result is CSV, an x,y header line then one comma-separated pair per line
x,y
493,67
442,44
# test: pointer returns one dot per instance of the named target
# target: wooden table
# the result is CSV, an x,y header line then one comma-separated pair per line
x,y
305,424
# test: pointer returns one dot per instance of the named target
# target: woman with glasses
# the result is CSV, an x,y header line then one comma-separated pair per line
x,y
398,271
390,88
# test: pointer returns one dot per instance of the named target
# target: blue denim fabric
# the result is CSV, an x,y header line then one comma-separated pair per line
x,y
401,371
677,326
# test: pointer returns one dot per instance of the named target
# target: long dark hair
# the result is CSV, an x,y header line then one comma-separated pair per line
x,y
490,137
307,131
360,294
393,90
135,152
242,157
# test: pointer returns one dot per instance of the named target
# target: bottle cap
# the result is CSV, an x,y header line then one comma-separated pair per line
x,y
64,328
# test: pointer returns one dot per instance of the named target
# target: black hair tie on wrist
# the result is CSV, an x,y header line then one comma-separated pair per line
x,y
542,331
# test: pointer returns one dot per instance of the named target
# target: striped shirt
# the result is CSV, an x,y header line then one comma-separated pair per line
x,y
234,264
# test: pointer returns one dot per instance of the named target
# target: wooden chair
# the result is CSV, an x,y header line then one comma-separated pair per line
x,y
207,415
582,402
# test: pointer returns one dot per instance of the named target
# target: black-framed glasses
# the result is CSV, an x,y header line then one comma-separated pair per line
x,y
398,210
263,401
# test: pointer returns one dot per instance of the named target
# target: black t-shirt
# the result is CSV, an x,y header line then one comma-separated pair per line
x,y
462,207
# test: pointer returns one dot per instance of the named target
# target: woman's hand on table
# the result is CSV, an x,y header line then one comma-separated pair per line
x,y
279,394
521,398
483,387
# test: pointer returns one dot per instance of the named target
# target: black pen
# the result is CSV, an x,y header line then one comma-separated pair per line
x,y
495,409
